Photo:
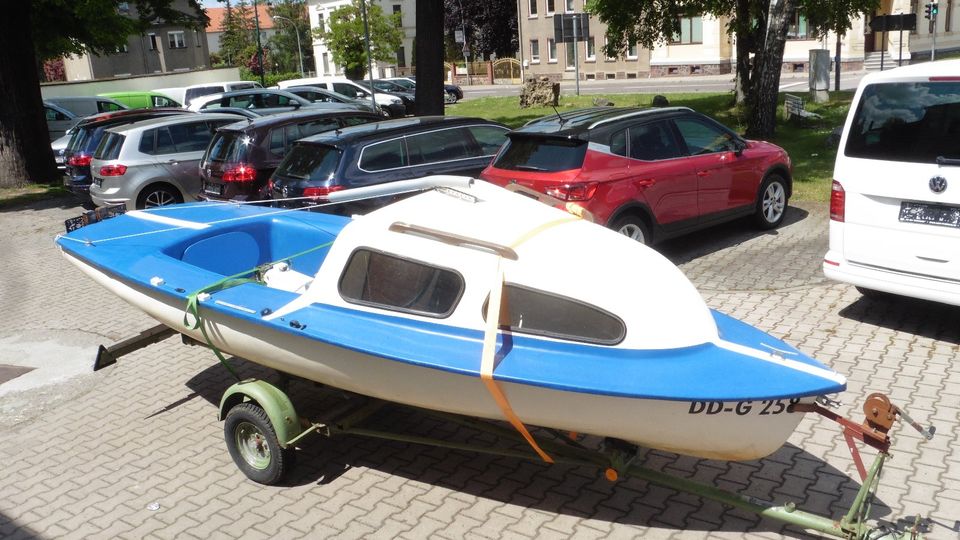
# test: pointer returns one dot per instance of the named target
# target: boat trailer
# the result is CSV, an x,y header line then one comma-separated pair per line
x,y
262,429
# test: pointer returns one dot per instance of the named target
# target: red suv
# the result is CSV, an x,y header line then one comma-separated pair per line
x,y
650,174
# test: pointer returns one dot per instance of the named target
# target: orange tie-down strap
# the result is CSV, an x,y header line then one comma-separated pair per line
x,y
487,365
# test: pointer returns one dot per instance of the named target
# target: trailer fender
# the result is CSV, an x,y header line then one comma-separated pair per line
x,y
272,400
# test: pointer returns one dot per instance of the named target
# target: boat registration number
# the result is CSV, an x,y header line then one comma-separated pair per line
x,y
743,408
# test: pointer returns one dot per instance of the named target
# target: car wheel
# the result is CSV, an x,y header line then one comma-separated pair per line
x,y
634,227
253,444
771,202
450,98
383,112
158,196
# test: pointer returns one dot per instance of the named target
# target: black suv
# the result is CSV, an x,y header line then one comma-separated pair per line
x,y
242,156
87,136
387,151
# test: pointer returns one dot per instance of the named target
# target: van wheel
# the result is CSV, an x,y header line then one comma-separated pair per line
x,y
771,202
158,196
634,227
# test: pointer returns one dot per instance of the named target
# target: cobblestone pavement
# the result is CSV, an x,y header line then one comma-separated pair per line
x,y
136,450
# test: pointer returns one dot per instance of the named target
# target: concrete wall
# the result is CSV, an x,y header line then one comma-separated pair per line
x,y
144,82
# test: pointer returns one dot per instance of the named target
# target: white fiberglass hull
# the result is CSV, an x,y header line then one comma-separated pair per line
x,y
718,430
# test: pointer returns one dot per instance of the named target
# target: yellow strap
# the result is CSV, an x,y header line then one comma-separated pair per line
x,y
494,306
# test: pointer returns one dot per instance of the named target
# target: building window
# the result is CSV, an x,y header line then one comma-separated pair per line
x,y
122,49
591,48
632,50
691,31
569,6
798,26
571,55
551,7
196,34
535,51
607,57
320,25
152,42
326,64
175,40
551,51
397,11
533,8
401,57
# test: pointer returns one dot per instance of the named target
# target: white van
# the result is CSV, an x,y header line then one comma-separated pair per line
x,y
895,204
392,104
189,93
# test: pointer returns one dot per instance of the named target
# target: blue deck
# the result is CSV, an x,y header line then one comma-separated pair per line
x,y
189,260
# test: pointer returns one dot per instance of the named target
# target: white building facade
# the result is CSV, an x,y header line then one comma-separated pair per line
x,y
319,12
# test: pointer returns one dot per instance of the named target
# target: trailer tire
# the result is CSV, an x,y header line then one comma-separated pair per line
x,y
253,445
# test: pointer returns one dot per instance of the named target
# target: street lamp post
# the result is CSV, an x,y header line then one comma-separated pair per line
x,y
297,30
256,22
463,30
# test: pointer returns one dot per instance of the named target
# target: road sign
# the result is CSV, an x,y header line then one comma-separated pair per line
x,y
457,36
570,27
893,23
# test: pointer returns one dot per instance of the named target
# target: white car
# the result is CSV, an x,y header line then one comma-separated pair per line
x,y
895,204
391,104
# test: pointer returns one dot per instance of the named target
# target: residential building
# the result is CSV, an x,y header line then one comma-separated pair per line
x,y
319,12
217,16
162,48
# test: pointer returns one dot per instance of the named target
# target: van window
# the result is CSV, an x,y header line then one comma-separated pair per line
x,y
346,89
108,106
192,93
243,101
160,101
53,114
191,137
314,162
913,122
382,156
164,143
387,281
547,314
489,138
542,154
232,146
436,146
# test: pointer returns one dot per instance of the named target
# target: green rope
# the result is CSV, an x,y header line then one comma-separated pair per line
x,y
193,302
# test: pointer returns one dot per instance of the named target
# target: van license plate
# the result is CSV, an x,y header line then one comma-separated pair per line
x,y
97,181
213,189
932,214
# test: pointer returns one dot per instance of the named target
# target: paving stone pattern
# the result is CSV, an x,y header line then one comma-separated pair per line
x,y
139,452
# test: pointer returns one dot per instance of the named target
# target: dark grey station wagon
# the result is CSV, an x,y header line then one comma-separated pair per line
x,y
388,151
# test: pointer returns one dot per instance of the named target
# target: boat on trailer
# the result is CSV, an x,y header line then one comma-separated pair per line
x,y
466,299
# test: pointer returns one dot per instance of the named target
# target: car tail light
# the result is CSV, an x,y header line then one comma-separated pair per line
x,y
80,160
573,192
270,185
239,173
320,193
113,170
837,202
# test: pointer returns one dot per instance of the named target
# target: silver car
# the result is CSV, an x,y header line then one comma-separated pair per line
x,y
153,162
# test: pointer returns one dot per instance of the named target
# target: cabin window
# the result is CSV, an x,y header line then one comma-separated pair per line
x,y
546,314
377,279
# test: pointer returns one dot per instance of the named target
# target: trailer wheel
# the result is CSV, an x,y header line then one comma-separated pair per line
x,y
253,444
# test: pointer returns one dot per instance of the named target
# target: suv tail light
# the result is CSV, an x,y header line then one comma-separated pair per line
x,y
573,192
239,173
113,170
838,201
320,193
80,160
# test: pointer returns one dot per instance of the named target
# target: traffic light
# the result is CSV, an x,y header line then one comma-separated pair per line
x,y
934,9
927,8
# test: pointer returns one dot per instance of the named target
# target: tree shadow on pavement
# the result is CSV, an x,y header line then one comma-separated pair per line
x,y
920,317
701,243
47,202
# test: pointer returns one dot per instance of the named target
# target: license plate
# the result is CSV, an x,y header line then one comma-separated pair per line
x,y
213,189
931,214
97,181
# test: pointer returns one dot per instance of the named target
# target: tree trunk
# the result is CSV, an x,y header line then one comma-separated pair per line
x,y
744,45
429,52
763,114
25,154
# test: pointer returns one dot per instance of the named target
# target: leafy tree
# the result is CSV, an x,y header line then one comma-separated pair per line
x,y
491,26
760,27
283,44
33,31
238,32
345,37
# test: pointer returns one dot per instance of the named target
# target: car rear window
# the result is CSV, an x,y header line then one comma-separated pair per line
x,y
313,162
542,154
913,122
110,146
230,146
